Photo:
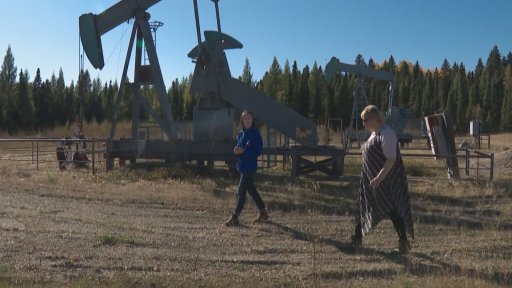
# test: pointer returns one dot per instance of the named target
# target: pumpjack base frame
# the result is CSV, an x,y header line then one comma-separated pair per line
x,y
331,162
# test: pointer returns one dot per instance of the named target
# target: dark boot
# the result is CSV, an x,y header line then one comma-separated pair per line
x,y
404,246
262,217
356,241
232,221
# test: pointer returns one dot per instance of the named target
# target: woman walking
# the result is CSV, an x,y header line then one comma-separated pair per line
x,y
249,146
383,189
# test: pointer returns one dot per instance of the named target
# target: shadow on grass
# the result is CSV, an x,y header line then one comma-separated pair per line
x,y
322,195
435,267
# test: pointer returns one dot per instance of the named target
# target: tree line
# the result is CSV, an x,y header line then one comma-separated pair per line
x,y
484,93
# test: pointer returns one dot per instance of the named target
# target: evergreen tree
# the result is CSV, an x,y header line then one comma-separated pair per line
x,y
303,95
40,112
295,87
175,95
416,88
458,97
286,84
8,73
316,93
359,61
494,92
444,83
59,91
247,74
402,89
49,103
24,104
427,103
507,103
70,102
272,80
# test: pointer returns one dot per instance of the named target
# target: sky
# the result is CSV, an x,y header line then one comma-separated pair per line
x,y
44,34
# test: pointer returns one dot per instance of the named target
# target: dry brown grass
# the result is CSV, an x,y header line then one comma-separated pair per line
x,y
163,228
133,228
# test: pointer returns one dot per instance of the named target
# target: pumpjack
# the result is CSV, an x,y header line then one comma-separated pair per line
x,y
395,115
219,98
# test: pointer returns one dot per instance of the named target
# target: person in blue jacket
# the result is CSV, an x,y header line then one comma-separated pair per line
x,y
248,147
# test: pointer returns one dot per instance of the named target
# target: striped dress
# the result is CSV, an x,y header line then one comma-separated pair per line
x,y
392,193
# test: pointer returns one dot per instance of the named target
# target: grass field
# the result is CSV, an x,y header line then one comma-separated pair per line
x,y
163,228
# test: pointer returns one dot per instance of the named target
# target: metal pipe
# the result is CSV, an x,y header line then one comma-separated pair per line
x,y
198,27
218,14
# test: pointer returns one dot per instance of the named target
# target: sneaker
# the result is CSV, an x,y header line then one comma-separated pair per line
x,y
232,221
404,246
262,217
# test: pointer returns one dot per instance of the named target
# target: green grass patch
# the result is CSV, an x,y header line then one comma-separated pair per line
x,y
108,239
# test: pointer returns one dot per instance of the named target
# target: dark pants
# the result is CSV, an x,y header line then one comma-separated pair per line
x,y
398,222
247,185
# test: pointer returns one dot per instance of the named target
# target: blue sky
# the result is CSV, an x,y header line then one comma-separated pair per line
x,y
45,33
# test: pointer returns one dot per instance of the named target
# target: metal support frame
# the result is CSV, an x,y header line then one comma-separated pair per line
x,y
141,33
332,165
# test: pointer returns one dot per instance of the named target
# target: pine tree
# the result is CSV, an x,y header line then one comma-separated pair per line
x,y
427,104
24,103
507,105
272,80
304,92
402,89
59,91
247,74
70,102
462,99
286,84
295,87
444,83
415,91
509,58
48,103
475,91
316,93
493,96
359,61
174,96
38,100
8,73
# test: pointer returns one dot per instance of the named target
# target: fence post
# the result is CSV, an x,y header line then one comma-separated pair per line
x,y
467,161
491,176
489,141
37,155
477,168
93,158
32,142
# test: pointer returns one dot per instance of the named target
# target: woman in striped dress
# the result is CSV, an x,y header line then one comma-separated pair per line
x,y
383,190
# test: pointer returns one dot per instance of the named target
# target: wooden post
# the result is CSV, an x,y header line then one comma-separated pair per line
x,y
295,163
467,161
268,145
477,168
489,141
93,157
37,155
32,142
491,176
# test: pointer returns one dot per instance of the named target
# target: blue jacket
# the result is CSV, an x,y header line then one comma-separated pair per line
x,y
250,140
